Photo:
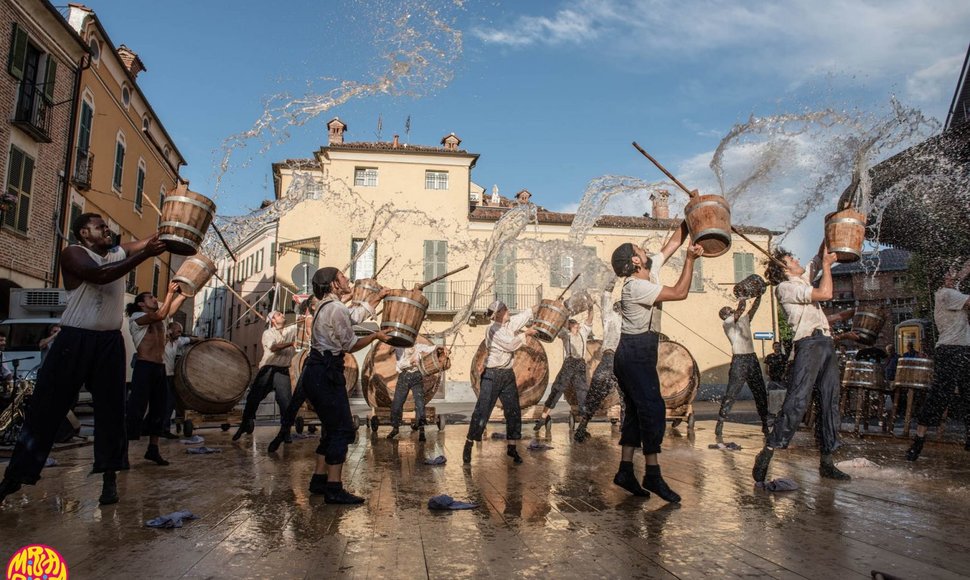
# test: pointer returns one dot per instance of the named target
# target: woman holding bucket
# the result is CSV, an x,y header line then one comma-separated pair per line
x,y
635,364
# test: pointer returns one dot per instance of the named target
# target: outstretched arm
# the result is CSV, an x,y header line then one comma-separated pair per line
x,y
78,266
824,290
675,241
754,307
679,290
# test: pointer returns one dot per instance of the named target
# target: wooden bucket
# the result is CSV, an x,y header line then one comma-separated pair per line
x,y
351,370
679,376
579,302
186,216
844,233
859,373
404,312
867,324
549,319
531,371
212,376
193,274
751,287
379,378
914,372
365,290
434,362
709,221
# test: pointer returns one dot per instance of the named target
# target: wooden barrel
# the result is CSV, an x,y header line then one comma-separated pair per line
x,y
751,287
365,290
709,221
844,233
212,376
595,349
379,377
186,216
679,376
193,274
404,312
434,362
531,371
351,370
867,324
914,372
859,373
549,319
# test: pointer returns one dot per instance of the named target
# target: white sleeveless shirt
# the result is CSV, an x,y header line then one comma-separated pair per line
x,y
97,306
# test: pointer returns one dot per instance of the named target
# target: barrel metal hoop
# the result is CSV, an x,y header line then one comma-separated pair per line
x,y
539,322
404,327
190,201
846,220
868,314
912,385
715,232
408,301
175,238
182,226
710,202
846,250
187,282
555,309
907,368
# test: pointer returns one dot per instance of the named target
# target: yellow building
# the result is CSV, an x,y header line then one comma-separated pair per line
x,y
123,159
426,215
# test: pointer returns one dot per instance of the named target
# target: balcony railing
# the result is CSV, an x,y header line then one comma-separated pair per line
x,y
452,295
32,113
83,166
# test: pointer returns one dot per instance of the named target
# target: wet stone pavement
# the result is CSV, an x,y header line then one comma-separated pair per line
x,y
557,515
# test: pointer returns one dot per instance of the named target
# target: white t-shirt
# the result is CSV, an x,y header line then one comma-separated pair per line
x,y
574,345
333,329
950,315
739,334
280,358
804,316
502,340
97,306
138,331
172,350
407,357
637,300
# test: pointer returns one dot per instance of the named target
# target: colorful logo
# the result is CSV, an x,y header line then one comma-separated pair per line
x,y
37,562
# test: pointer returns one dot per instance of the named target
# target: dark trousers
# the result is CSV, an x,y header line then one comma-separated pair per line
x,y
745,369
149,392
268,379
408,382
497,384
815,369
635,368
288,416
602,383
951,382
77,357
170,403
326,389
572,374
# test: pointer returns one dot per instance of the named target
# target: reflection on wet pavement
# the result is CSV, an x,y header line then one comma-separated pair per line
x,y
558,514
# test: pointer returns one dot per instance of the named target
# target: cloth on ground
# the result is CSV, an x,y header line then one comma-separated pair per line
x,y
729,445
172,520
439,460
536,445
446,502
193,440
50,462
780,484
498,436
202,450
858,462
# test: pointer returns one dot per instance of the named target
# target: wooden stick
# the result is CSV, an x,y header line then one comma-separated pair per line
x,y
441,277
762,250
378,273
664,169
152,204
223,240
568,287
240,298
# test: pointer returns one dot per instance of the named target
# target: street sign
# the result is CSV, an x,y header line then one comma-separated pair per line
x,y
301,275
764,335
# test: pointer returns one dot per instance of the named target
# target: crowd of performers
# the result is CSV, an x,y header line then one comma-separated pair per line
x,y
89,350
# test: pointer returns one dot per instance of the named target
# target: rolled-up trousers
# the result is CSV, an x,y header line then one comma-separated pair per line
x,y
408,382
635,368
572,374
326,389
745,369
497,384
148,400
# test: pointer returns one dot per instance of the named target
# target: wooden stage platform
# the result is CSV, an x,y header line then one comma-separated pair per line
x,y
556,516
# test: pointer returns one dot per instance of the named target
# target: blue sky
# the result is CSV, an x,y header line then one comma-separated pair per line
x,y
549,93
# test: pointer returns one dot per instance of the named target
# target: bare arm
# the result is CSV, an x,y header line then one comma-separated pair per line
x,y
365,340
824,290
78,267
589,316
739,311
675,241
163,310
754,307
679,290
964,272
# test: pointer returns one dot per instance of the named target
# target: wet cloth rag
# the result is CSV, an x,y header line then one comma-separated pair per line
x,y
780,484
193,440
730,445
439,460
499,435
172,520
446,502
857,463
202,450
536,445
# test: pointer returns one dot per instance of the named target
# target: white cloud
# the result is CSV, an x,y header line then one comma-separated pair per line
x,y
934,82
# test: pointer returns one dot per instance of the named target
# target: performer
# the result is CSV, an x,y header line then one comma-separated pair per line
x,y
149,387
274,371
325,385
745,367
409,380
173,350
951,373
88,350
777,364
815,365
603,381
636,361
573,371
502,339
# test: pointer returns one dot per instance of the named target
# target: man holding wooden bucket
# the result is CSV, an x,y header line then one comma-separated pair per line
x,y
573,371
90,351
274,371
951,373
603,381
409,380
745,367
815,364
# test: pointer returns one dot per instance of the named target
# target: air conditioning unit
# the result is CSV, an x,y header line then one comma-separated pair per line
x,y
29,302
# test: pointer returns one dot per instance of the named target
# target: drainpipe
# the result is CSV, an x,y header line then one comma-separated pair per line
x,y
774,315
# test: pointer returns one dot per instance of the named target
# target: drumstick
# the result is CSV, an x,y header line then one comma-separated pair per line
x,y
241,299
382,268
689,192
568,287
445,275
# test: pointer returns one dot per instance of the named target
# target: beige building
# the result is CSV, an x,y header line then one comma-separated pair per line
x,y
424,213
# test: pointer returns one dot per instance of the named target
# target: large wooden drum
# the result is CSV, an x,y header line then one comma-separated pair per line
x,y
709,221
404,312
434,362
365,290
212,376
860,374
595,348
193,274
351,370
679,376
531,371
844,233
867,323
379,377
549,319
186,216
914,372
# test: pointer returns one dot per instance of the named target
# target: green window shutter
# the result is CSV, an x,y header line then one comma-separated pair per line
x,y
84,131
119,165
272,254
50,76
748,264
140,189
17,58
429,262
555,273
738,267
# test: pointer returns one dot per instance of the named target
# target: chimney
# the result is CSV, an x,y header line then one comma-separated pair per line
x,y
336,129
130,60
523,196
451,142
396,143
661,210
